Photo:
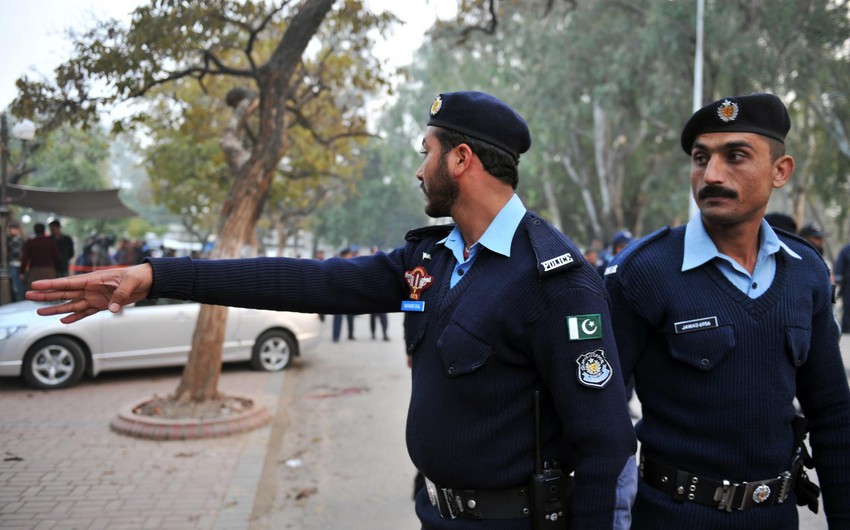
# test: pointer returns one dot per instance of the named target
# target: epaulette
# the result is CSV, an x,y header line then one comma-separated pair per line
x,y
554,252
635,247
418,234
802,240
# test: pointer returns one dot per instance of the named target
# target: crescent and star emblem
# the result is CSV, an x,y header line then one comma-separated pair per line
x,y
589,327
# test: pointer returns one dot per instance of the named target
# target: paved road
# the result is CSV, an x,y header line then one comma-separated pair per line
x,y
333,457
334,454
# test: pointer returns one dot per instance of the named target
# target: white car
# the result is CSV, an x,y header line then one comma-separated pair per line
x,y
150,333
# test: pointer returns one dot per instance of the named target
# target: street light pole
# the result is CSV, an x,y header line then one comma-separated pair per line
x,y
5,284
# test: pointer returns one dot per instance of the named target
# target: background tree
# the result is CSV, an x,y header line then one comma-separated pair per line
x,y
169,41
607,84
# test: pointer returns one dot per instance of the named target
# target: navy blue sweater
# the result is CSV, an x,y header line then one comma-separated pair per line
x,y
717,398
480,350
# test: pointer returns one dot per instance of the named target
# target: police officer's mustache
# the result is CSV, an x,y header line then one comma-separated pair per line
x,y
716,191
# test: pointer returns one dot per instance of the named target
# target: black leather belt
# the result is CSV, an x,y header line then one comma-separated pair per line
x,y
509,503
721,494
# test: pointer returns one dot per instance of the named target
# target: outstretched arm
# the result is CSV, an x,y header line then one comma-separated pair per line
x,y
87,294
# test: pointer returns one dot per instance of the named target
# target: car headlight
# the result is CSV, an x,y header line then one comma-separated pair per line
x,y
6,332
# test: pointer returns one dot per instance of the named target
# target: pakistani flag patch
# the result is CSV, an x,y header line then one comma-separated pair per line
x,y
584,327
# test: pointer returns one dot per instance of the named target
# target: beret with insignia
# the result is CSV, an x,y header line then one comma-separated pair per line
x,y
483,117
762,113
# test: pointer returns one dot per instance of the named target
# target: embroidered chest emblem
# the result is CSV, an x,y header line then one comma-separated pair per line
x,y
419,280
594,370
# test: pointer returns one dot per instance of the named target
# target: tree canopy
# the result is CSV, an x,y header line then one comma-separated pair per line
x,y
606,86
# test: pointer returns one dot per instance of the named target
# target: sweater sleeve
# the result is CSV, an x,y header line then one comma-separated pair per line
x,y
595,419
824,396
366,284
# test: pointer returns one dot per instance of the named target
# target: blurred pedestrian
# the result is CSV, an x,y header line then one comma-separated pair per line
x,y
619,241
814,234
346,253
15,249
783,221
66,248
39,256
375,318
841,272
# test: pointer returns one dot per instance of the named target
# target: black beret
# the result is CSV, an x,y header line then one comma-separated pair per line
x,y
763,114
482,117
782,221
812,230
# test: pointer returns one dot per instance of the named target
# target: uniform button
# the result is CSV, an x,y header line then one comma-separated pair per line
x,y
755,285
536,221
799,362
451,370
460,272
705,362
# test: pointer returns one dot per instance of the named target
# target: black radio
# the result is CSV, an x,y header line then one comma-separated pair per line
x,y
550,487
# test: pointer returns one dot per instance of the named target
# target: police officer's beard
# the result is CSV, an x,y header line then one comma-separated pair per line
x,y
441,192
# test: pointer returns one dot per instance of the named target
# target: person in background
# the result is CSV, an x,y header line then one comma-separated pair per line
x,y
123,253
346,253
618,242
378,317
500,310
15,249
813,233
66,248
39,256
783,221
724,322
841,274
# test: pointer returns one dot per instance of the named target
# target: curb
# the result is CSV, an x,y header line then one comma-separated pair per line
x,y
137,426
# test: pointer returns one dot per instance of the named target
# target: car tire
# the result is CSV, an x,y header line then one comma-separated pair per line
x,y
53,362
274,351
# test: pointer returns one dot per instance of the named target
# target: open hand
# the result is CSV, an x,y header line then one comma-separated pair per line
x,y
87,294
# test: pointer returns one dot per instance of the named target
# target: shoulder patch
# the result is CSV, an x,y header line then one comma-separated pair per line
x,y
594,370
555,253
418,234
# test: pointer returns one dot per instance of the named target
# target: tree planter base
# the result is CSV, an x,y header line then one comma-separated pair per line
x,y
129,422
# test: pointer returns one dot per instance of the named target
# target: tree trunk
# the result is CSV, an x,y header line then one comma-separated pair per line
x,y
254,171
551,199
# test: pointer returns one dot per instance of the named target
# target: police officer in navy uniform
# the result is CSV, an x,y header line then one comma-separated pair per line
x,y
501,307
724,322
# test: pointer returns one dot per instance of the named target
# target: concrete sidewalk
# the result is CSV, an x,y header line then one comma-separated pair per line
x,y
333,457
62,468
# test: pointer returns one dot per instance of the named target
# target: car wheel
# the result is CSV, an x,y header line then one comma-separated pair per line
x,y
273,351
54,362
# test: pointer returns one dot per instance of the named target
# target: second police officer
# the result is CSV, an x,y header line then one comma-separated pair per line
x,y
723,323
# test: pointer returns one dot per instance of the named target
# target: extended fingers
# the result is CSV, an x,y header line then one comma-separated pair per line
x,y
58,284
52,296
72,306
73,317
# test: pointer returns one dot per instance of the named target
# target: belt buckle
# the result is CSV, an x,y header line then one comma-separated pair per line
x,y
725,495
442,499
760,492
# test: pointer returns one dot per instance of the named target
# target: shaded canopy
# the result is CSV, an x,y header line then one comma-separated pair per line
x,y
85,204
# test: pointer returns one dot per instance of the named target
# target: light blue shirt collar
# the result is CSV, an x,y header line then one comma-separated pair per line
x,y
498,236
700,249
